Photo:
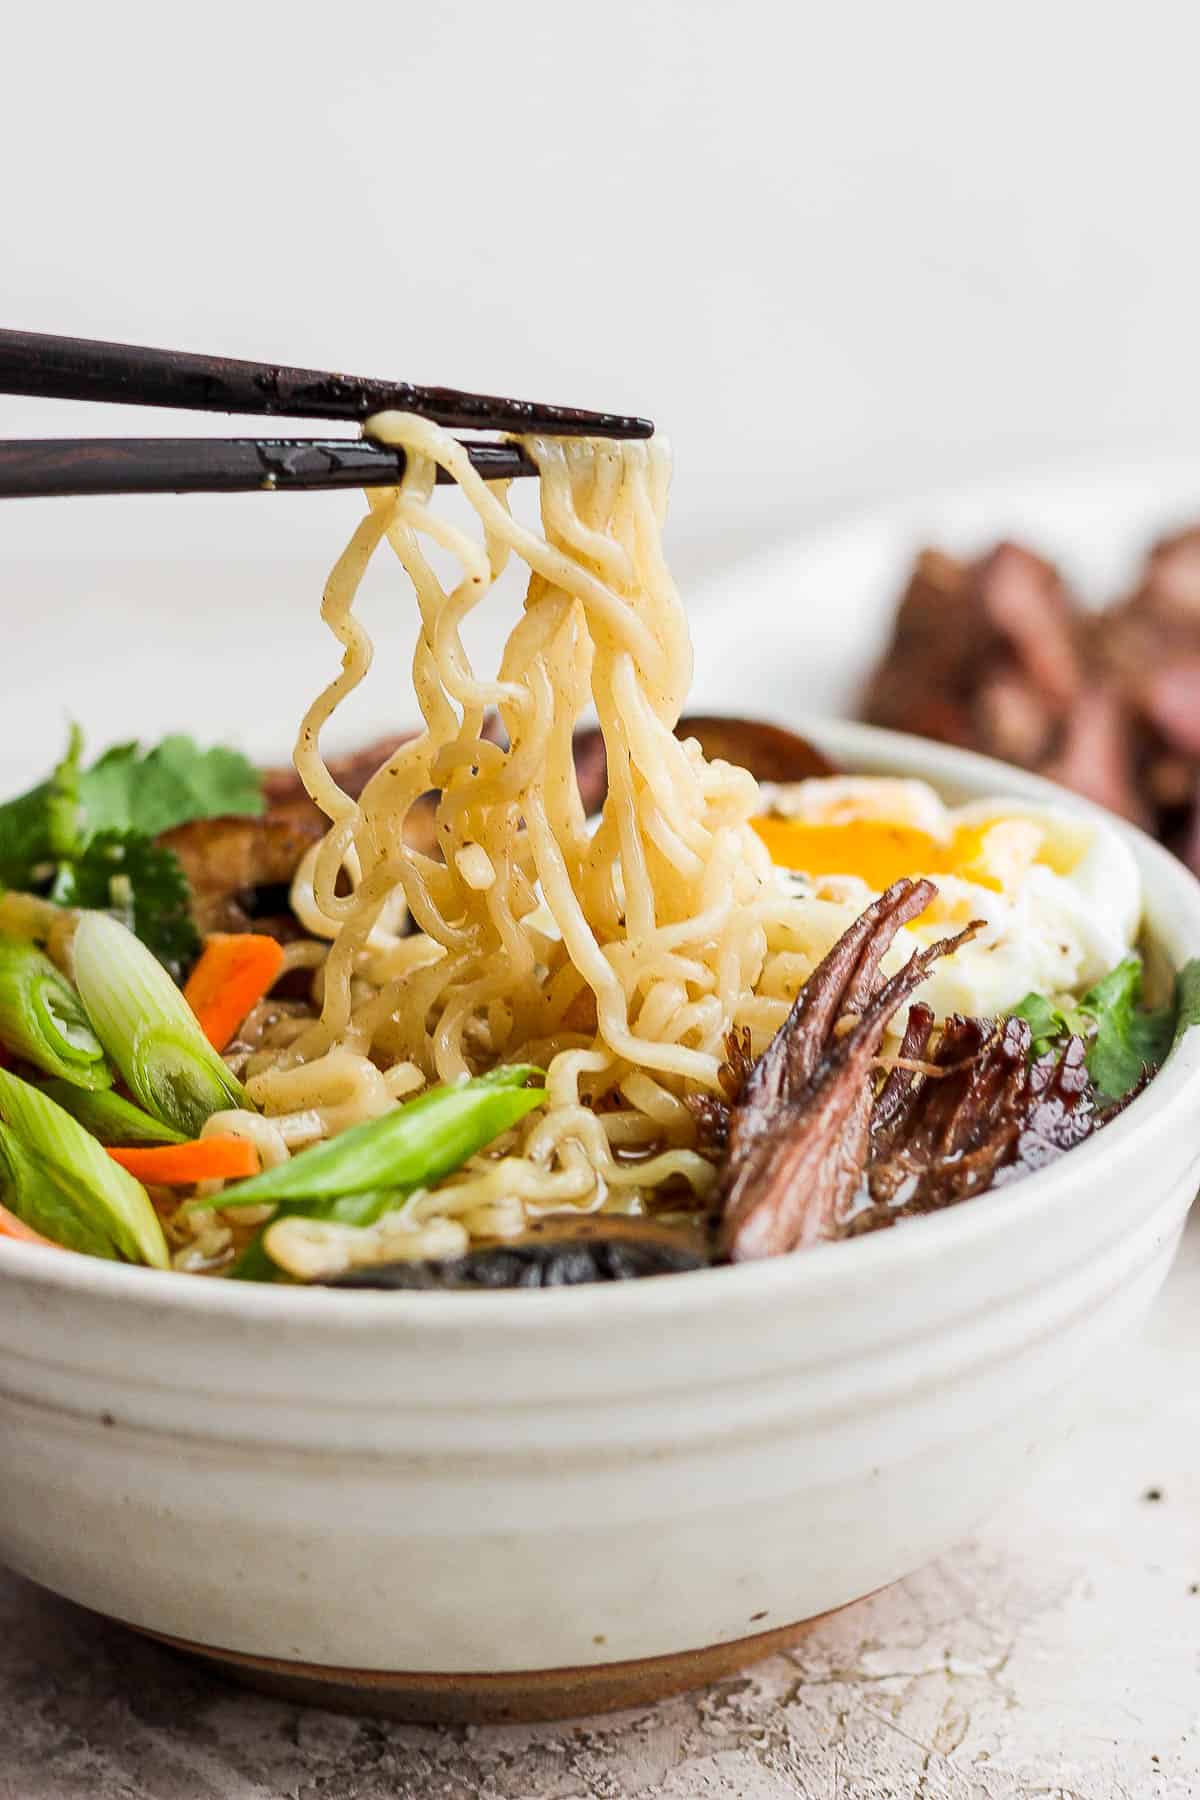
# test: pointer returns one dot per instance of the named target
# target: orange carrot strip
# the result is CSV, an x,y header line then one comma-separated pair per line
x,y
12,1227
235,970
178,1165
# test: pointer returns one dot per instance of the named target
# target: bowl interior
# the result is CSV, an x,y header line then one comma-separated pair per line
x,y
1172,914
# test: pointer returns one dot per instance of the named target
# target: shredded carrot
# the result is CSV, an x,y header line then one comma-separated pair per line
x,y
179,1165
235,970
12,1227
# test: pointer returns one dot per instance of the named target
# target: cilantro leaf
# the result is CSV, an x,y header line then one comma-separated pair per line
x,y
85,836
144,884
1124,1038
123,791
170,785
1047,1022
1128,1039
62,800
1187,998
30,827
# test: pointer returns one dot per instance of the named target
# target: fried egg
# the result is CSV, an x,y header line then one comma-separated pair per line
x,y
1059,896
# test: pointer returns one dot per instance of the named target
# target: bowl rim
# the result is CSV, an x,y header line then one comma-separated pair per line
x,y
1169,1100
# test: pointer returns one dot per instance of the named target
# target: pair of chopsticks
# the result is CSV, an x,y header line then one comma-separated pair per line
x,y
129,374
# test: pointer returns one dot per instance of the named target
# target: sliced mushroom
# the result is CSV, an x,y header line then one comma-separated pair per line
x,y
228,861
770,752
555,1252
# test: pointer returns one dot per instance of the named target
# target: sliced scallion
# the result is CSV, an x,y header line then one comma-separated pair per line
x,y
32,1188
109,1117
148,1028
65,1185
416,1144
43,1021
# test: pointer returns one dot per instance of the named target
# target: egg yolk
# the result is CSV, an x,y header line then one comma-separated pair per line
x,y
878,852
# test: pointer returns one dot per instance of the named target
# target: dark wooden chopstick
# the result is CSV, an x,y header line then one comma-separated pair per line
x,y
32,468
66,368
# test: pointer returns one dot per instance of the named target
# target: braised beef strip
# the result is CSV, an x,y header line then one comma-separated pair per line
x,y
1058,1110
986,654
991,1118
898,1096
817,1146
799,1131
959,1126
997,655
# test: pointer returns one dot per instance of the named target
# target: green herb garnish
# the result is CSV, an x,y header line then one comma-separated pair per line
x,y
1125,1039
42,1019
85,837
148,1028
59,1180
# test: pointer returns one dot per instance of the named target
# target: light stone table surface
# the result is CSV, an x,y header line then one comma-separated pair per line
x,y
1057,1654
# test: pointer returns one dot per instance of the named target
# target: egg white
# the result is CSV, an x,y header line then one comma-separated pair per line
x,y
1044,931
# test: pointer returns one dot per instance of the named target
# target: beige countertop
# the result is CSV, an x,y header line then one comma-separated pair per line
x,y
1057,1654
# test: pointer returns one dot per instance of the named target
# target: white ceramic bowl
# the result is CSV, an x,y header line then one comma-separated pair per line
x,y
509,1503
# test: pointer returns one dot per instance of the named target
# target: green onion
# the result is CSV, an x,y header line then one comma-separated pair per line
x,y
33,1189
43,1021
109,1117
255,1264
410,1147
63,1184
149,1029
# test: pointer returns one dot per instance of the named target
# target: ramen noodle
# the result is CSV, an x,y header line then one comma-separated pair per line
x,y
617,953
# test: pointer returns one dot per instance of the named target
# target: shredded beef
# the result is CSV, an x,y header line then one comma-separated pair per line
x,y
712,1116
798,1134
997,655
985,654
816,1147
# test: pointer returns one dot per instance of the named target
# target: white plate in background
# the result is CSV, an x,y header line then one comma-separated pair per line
x,y
796,628
232,648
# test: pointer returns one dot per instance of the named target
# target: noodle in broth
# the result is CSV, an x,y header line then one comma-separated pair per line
x,y
615,954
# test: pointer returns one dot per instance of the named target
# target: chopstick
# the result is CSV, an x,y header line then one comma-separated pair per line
x,y
67,368
39,467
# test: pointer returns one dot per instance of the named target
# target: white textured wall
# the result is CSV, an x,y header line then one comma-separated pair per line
x,y
836,251
828,247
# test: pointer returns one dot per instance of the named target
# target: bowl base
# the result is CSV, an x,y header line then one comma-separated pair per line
x,y
522,1697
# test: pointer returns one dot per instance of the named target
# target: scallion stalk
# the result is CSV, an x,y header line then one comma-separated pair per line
x,y
32,1188
148,1028
416,1144
43,1021
63,1183
109,1117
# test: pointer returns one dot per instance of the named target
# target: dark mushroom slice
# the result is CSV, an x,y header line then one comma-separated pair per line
x,y
351,772
228,862
239,869
555,1252
770,752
